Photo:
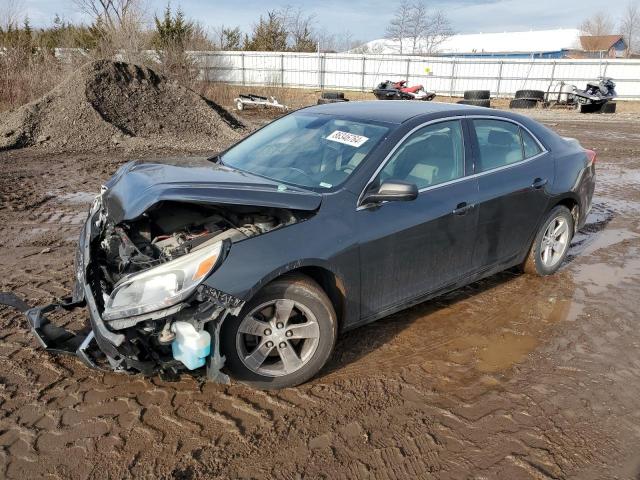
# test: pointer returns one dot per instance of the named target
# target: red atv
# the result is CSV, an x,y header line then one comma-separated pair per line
x,y
389,90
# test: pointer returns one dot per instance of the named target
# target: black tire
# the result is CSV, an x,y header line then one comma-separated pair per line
x,y
300,289
609,107
534,263
322,101
589,108
530,94
476,103
523,103
333,95
477,95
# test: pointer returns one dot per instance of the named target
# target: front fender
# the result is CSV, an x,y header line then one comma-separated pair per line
x,y
291,267
326,240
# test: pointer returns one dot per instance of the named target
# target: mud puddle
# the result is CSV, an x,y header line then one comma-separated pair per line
x,y
77,198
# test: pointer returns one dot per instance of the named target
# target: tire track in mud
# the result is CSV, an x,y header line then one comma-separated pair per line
x,y
512,377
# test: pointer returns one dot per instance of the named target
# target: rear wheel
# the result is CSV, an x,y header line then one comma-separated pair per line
x,y
283,336
551,244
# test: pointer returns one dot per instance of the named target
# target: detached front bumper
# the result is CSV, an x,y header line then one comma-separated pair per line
x,y
99,346
97,342
51,337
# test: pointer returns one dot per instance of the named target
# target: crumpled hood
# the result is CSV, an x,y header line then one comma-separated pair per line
x,y
139,185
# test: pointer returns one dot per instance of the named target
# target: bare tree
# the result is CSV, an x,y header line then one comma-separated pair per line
x,y
417,24
398,29
327,41
346,42
300,29
437,29
630,26
10,14
599,23
424,28
121,23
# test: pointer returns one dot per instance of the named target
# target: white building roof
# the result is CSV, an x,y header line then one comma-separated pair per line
x,y
529,42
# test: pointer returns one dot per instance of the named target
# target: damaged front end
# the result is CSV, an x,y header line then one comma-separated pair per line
x,y
141,280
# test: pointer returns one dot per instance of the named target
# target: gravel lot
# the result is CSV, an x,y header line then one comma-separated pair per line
x,y
511,377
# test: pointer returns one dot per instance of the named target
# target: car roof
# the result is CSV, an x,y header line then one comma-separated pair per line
x,y
390,111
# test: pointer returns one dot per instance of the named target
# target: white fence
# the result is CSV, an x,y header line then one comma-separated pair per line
x,y
442,75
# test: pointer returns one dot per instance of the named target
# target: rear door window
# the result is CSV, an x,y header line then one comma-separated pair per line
x,y
499,143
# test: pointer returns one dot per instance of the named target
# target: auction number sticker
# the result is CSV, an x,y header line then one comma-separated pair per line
x,y
347,138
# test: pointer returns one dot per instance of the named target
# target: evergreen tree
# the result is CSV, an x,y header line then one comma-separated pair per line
x,y
172,31
269,34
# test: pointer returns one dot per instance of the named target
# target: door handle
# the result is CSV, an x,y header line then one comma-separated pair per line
x,y
538,183
462,208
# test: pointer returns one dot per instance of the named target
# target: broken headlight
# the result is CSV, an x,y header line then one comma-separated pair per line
x,y
163,286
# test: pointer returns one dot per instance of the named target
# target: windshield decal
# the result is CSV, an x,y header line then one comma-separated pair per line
x,y
347,138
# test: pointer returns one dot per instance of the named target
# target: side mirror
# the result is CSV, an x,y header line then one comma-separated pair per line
x,y
391,191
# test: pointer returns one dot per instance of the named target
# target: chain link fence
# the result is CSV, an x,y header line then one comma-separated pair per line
x,y
446,76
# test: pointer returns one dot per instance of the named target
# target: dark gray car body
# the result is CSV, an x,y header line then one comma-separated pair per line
x,y
391,247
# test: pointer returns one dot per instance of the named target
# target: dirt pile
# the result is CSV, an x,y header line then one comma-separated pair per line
x,y
106,104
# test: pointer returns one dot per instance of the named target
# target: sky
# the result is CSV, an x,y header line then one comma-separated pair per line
x,y
365,20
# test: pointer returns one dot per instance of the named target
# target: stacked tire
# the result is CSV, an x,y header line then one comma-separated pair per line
x,y
609,107
525,99
588,108
477,98
332,97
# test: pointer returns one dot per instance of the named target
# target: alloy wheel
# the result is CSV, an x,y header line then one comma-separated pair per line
x,y
277,338
554,242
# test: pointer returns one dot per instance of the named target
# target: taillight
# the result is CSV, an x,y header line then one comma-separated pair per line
x,y
591,155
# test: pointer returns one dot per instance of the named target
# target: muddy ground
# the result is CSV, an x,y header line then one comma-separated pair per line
x,y
511,377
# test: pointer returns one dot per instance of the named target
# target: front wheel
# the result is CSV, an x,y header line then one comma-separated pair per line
x,y
283,336
551,244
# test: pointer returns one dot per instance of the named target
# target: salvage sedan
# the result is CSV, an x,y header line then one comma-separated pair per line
x,y
252,262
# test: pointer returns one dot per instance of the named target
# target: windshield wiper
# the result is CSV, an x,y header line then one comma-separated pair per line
x,y
216,159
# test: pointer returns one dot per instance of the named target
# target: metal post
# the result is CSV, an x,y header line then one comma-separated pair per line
x,y
282,70
453,77
600,63
408,69
319,68
242,67
553,74
364,66
499,78
604,72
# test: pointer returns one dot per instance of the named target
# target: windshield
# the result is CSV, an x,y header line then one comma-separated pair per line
x,y
317,151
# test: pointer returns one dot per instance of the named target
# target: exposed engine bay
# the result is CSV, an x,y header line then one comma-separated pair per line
x,y
181,335
170,230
